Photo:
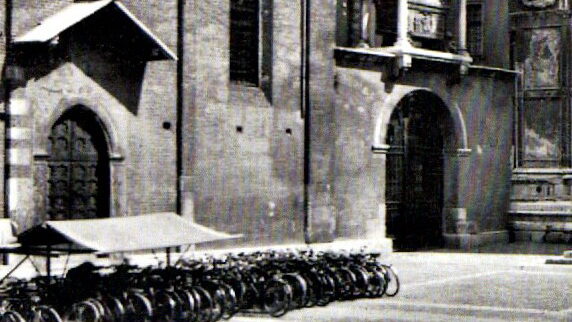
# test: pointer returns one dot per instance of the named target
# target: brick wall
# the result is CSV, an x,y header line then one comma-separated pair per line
x,y
245,165
136,101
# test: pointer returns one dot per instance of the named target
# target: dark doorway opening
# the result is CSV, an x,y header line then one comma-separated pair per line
x,y
414,172
78,165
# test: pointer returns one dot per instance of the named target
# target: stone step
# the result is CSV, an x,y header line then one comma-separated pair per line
x,y
560,206
519,225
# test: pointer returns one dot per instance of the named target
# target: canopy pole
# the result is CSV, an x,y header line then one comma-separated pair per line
x,y
14,268
168,254
49,270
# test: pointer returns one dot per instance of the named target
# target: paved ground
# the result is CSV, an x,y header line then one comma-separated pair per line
x,y
445,286
448,286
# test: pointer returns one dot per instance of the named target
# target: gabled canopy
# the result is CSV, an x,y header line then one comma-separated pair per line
x,y
121,234
75,13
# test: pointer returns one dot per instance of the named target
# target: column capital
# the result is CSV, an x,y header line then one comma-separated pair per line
x,y
380,148
459,153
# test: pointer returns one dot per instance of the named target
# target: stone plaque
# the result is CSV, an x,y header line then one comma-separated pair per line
x,y
542,63
426,24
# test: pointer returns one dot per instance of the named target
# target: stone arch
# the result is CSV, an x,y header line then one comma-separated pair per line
x,y
114,138
386,108
454,145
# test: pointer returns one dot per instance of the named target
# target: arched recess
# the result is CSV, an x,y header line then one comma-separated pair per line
x,y
391,102
421,133
89,121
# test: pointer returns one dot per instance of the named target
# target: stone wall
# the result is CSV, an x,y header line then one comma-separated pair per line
x,y
482,107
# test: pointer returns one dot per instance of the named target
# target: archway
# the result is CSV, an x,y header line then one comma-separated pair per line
x,y
419,132
78,167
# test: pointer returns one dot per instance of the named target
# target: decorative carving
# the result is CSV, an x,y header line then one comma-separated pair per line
x,y
539,4
426,23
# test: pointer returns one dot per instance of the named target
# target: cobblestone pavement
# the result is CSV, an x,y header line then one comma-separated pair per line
x,y
442,286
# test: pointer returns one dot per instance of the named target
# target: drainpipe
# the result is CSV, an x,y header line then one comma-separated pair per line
x,y
6,88
305,108
180,103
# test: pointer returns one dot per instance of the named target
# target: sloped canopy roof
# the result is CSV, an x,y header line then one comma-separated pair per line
x,y
121,234
77,12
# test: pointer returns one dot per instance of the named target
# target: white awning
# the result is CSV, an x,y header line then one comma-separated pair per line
x,y
73,14
121,234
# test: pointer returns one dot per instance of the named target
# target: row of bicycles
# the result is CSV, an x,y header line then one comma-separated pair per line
x,y
200,289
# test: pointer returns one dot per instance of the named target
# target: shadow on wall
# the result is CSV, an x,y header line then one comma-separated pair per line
x,y
111,54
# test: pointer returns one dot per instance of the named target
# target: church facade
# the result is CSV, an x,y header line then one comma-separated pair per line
x,y
378,122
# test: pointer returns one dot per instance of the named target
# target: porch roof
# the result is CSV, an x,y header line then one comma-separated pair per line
x,y
53,26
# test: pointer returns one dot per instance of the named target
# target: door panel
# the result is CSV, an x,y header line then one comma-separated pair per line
x,y
78,170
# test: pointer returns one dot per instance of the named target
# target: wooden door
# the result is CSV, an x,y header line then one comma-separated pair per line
x,y
78,182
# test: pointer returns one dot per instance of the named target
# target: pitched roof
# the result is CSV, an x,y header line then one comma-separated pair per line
x,y
73,14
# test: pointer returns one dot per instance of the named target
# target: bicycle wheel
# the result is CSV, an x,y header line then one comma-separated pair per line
x,y
276,298
138,307
314,288
376,285
328,289
347,281
392,281
204,307
12,316
187,305
230,301
114,309
83,312
361,280
299,289
218,304
44,313
164,306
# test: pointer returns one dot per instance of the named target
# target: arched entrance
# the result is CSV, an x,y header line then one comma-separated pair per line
x,y
78,167
418,131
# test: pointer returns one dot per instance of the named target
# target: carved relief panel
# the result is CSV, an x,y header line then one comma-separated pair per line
x,y
539,53
542,62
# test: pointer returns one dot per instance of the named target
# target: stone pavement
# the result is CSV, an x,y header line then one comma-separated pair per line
x,y
445,286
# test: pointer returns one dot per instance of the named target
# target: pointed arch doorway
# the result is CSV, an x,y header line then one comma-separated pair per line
x,y
78,167
418,131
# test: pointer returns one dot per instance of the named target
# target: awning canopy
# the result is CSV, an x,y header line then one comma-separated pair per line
x,y
120,234
74,14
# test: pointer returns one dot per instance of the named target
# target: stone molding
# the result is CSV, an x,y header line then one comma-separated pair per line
x,y
538,4
380,149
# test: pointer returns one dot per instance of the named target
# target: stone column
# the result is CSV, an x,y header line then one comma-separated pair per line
x,y
402,24
19,183
376,230
459,231
462,28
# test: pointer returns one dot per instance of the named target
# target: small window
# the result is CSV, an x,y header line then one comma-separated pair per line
x,y
475,29
244,41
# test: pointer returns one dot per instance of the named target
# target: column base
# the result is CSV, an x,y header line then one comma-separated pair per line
x,y
472,241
